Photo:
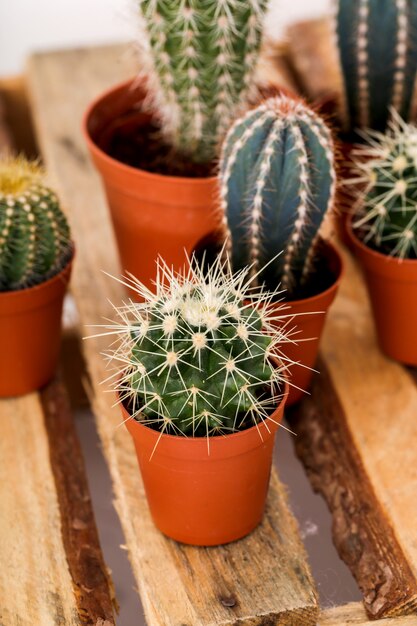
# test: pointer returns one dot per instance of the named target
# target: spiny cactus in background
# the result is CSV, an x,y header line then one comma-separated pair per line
x,y
387,182
194,357
377,41
200,57
34,233
277,182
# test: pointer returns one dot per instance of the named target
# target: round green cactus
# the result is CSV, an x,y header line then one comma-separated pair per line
x,y
386,185
199,58
195,356
277,183
34,233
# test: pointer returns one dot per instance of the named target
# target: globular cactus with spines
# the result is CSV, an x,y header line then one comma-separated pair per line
x,y
377,42
199,57
194,358
277,183
386,186
34,233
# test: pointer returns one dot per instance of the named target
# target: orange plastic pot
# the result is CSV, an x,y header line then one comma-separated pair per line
x,y
309,319
392,286
30,334
202,496
152,214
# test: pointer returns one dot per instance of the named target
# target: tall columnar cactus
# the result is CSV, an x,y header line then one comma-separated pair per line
x,y
194,357
277,182
34,233
200,57
377,42
386,185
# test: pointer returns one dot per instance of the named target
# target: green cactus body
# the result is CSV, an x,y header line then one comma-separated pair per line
x,y
34,233
277,182
200,57
196,359
387,197
377,42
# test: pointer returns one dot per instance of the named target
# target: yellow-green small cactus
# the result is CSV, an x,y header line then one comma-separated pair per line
x,y
34,233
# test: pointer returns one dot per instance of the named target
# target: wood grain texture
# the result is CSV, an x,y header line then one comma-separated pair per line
x,y
356,436
90,578
262,580
353,614
35,581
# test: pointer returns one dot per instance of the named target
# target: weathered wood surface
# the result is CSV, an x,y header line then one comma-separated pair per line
x,y
261,580
356,437
52,571
353,614
313,57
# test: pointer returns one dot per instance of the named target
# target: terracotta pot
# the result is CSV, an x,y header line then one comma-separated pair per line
x,y
392,286
30,334
151,214
202,497
309,323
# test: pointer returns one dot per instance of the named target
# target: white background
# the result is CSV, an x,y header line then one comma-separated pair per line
x,y
28,25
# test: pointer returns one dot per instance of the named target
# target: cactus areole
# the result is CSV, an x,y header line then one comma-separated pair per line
x,y
377,41
199,58
277,183
195,358
34,234
386,210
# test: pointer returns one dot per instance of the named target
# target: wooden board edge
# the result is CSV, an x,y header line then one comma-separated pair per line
x,y
353,614
363,536
91,579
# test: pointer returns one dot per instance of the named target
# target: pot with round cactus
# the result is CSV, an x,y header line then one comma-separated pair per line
x,y
383,231
35,265
155,138
277,186
377,51
202,394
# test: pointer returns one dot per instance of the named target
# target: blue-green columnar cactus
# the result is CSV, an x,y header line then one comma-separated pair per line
x,y
34,233
377,41
386,185
277,182
195,357
199,57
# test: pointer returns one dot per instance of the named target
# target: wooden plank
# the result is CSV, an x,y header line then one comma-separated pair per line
x,y
356,437
263,579
353,614
52,569
17,115
313,57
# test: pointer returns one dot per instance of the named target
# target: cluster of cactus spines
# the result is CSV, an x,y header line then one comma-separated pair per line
x,y
377,42
34,233
194,357
386,186
277,184
200,57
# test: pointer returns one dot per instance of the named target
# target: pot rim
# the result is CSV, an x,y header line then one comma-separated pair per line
x,y
332,288
197,441
15,294
374,254
123,167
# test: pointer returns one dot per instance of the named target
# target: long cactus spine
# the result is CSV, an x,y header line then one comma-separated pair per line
x,y
200,57
277,184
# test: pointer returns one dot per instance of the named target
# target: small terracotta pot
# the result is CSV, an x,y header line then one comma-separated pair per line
x,y
30,334
392,286
309,323
206,497
152,214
